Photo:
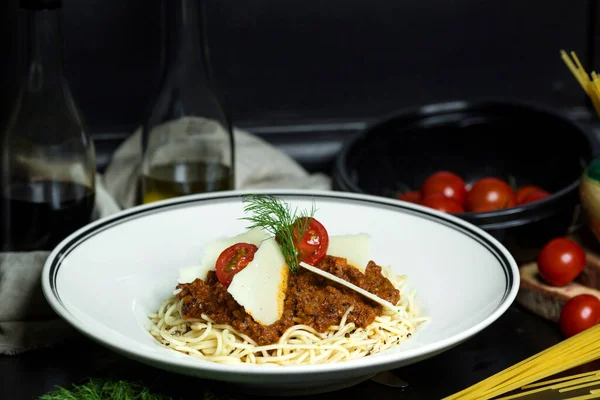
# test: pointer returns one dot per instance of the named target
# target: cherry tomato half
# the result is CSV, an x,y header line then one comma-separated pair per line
x,y
578,314
490,191
440,202
312,247
447,183
411,197
534,196
560,261
232,260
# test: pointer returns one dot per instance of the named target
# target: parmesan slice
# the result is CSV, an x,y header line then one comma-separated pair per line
x,y
214,249
189,274
354,248
349,285
260,287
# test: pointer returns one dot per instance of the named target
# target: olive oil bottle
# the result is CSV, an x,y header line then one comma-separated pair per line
x,y
187,138
181,178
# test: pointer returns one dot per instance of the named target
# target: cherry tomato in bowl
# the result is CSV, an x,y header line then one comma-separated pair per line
x,y
232,260
447,183
578,314
411,197
490,192
485,208
440,202
525,191
534,196
560,261
312,247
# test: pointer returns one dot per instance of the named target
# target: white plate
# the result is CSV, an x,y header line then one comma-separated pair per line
x,y
107,277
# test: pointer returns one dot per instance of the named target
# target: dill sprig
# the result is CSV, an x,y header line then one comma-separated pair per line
x,y
96,389
277,217
103,389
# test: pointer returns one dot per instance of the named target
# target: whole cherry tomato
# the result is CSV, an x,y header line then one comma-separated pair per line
x,y
312,247
232,260
534,196
440,202
486,208
450,185
493,192
526,190
411,197
578,314
560,261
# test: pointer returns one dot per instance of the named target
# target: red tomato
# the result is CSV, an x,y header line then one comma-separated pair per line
x,y
578,314
534,196
312,247
560,261
492,192
526,190
232,260
485,208
411,197
440,202
450,185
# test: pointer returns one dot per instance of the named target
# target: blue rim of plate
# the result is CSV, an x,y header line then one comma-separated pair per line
x,y
71,243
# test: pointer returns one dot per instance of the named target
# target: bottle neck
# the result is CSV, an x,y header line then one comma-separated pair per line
x,y
185,44
42,47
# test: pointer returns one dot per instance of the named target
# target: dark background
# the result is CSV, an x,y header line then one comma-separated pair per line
x,y
311,71
306,75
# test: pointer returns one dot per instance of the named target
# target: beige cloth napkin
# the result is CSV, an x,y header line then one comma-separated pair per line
x,y
257,165
28,322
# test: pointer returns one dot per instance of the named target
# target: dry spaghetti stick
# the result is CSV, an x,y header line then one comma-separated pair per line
x,y
515,370
533,376
574,70
495,391
525,393
583,74
567,386
594,95
583,385
589,86
579,65
581,340
558,380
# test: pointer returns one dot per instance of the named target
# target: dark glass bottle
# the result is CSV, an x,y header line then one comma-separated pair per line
x,y
47,156
187,138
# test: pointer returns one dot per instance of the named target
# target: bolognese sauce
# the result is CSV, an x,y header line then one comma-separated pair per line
x,y
310,300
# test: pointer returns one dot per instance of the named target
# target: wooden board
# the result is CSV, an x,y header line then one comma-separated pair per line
x,y
547,301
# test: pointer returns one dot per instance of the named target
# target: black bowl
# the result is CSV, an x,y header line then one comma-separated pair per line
x,y
522,143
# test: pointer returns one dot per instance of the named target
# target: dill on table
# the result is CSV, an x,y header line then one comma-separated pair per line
x,y
277,217
100,389
96,389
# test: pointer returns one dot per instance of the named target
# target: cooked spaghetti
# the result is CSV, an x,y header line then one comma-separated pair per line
x,y
350,327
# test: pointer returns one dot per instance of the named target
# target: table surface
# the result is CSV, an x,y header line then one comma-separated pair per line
x,y
515,336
